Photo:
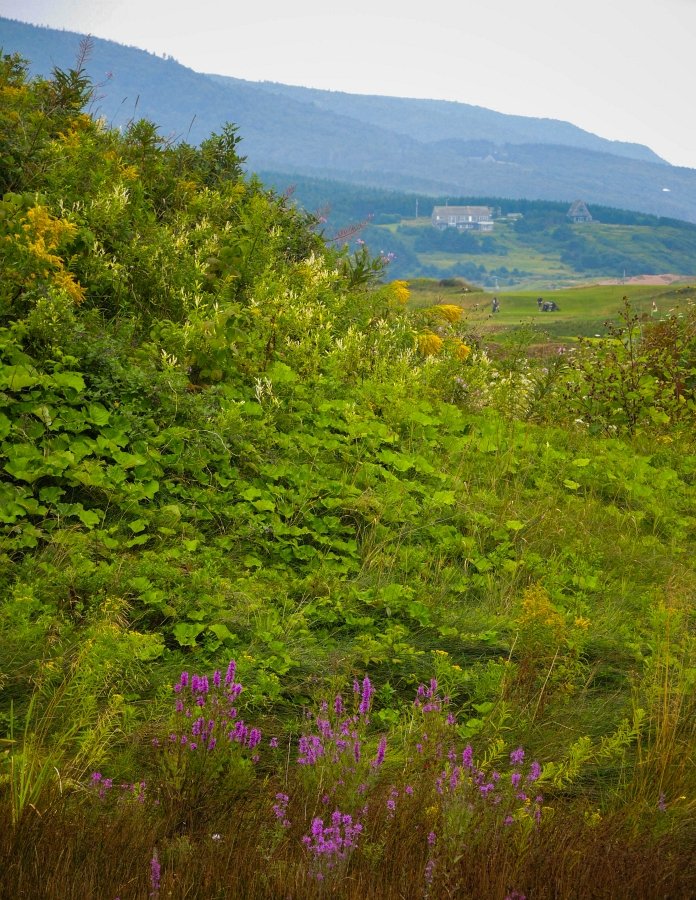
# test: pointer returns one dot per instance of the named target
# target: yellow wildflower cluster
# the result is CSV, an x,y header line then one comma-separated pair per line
x,y
66,282
400,291
46,232
448,311
461,350
537,610
129,173
429,344
44,235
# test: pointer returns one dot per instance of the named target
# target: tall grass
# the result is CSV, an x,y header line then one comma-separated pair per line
x,y
340,813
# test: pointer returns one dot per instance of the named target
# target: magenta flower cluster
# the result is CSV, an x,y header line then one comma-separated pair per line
x,y
332,842
207,712
337,737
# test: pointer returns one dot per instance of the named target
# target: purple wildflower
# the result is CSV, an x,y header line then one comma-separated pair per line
x,y
429,871
381,751
155,872
311,748
517,757
366,697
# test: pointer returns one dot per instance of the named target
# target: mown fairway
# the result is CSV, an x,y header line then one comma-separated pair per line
x,y
582,311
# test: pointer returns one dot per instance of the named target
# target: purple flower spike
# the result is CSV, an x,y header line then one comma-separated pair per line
x,y
468,757
155,872
517,757
381,751
534,771
367,692
231,669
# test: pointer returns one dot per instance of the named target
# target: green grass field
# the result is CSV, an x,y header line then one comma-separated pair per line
x,y
583,310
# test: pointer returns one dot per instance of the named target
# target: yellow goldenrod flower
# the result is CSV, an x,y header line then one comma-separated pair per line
x,y
461,350
66,281
429,344
401,291
448,311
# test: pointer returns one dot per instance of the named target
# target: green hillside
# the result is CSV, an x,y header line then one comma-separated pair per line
x,y
309,588
540,250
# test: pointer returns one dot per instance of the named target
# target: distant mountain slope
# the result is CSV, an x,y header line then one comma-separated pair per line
x,y
430,121
394,143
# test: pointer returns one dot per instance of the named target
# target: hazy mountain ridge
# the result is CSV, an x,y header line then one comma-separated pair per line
x,y
415,145
432,121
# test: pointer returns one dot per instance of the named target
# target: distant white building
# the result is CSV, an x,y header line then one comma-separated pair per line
x,y
464,218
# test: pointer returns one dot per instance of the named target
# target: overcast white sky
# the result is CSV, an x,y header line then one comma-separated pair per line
x,y
624,69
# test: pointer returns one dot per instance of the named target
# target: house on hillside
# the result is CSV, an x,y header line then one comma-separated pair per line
x,y
579,212
464,218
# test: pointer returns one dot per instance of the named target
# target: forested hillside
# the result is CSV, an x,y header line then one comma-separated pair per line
x,y
304,593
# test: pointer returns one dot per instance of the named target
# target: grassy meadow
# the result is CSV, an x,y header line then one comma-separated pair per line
x,y
314,582
583,311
